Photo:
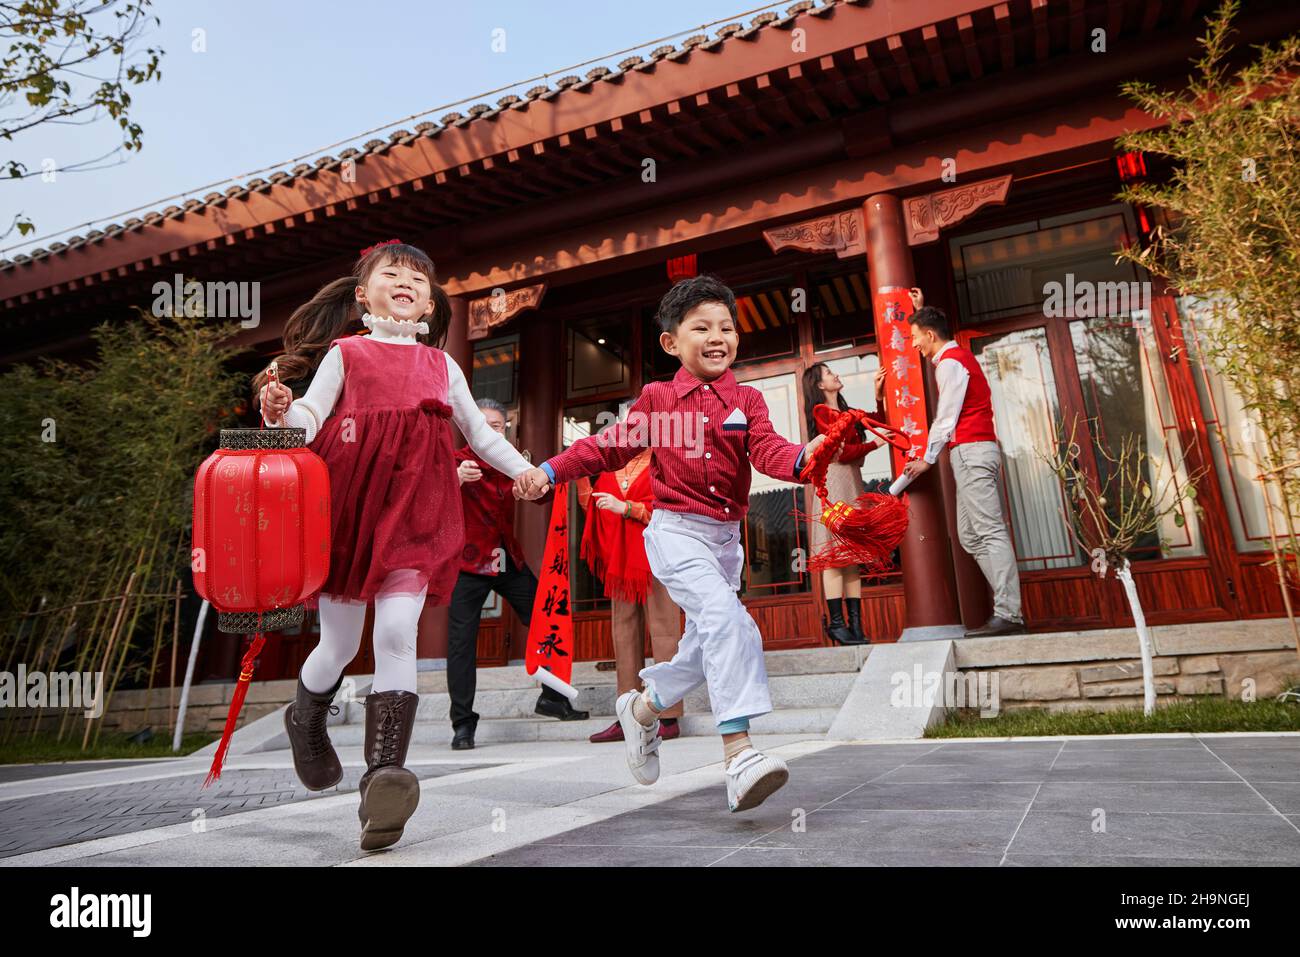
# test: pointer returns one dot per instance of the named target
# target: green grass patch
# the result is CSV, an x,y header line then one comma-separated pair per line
x,y
1203,715
44,747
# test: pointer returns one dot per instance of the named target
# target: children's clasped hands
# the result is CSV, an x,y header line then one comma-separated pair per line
x,y
531,485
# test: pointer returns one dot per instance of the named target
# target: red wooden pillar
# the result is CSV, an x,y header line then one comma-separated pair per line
x,y
973,595
929,592
542,365
431,633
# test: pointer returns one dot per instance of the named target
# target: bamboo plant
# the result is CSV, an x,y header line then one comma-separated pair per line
x,y
96,466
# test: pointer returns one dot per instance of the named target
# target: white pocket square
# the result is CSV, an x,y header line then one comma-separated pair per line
x,y
736,422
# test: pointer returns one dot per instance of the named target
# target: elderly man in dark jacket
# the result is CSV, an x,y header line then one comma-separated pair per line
x,y
491,561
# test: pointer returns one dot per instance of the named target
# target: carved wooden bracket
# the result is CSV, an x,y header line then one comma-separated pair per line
x,y
841,233
926,215
844,232
500,307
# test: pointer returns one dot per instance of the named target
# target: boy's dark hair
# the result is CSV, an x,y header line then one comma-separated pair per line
x,y
689,293
929,317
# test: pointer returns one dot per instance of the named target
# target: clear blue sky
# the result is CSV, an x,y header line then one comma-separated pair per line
x,y
281,78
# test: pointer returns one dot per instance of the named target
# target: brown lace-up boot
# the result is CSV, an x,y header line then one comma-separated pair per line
x,y
314,758
389,792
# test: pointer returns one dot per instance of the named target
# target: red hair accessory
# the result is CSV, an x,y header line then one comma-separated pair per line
x,y
369,249
866,531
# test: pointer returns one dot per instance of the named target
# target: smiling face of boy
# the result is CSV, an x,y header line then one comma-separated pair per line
x,y
398,291
706,341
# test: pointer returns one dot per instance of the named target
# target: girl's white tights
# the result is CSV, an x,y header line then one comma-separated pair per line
x,y
397,615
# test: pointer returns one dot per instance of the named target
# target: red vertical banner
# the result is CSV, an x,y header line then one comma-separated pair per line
x,y
904,388
550,633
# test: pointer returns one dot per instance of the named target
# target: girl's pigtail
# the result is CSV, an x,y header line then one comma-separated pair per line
x,y
311,329
440,321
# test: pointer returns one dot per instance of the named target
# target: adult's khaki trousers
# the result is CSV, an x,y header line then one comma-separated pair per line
x,y
981,525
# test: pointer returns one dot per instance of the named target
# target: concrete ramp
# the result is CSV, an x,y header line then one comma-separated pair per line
x,y
898,693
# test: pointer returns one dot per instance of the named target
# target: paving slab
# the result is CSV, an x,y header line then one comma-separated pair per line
x,y
1146,801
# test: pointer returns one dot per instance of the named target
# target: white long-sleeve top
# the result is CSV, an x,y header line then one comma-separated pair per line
x,y
952,379
311,411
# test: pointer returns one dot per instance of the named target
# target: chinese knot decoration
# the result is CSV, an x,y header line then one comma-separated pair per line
x,y
550,633
261,541
867,530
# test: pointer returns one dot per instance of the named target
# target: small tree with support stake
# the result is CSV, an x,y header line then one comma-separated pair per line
x,y
1108,519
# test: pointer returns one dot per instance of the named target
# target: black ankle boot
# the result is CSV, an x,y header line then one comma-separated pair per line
x,y
853,614
836,630
314,758
389,792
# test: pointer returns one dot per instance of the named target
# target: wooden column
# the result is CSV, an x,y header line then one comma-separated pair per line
x,y
431,634
929,592
540,378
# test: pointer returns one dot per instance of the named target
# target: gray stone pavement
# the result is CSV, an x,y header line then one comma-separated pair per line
x,y
1154,800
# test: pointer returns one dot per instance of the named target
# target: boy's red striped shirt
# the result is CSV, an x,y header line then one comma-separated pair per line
x,y
698,466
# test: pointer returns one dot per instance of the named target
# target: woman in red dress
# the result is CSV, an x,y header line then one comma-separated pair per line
x,y
842,587
378,411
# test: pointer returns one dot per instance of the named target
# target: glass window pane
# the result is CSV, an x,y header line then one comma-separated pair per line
x,y
656,364
1125,394
841,311
598,356
767,327
496,365
1006,272
1236,440
1025,413
771,532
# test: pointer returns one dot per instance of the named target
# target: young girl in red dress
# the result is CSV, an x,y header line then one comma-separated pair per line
x,y
378,411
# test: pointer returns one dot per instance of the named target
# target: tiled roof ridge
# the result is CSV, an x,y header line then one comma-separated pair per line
x,y
478,111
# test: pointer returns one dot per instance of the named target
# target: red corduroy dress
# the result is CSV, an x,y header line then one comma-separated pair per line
x,y
395,501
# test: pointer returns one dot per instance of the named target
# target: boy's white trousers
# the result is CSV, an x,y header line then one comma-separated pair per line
x,y
699,560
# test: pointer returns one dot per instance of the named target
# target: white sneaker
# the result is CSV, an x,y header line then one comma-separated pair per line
x,y
752,777
642,742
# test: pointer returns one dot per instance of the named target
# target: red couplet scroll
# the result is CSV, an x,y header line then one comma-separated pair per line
x,y
904,387
549,655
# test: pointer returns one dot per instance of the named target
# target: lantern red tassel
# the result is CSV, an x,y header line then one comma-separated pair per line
x,y
261,541
246,669
867,530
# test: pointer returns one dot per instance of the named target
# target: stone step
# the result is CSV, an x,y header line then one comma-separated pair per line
x,y
804,661
502,730
787,691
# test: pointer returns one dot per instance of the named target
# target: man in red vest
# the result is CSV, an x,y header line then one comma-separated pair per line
x,y
963,420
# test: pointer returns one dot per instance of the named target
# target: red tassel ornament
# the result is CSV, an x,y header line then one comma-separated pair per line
x,y
867,530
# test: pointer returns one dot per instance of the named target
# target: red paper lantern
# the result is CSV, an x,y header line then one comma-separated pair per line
x,y
261,540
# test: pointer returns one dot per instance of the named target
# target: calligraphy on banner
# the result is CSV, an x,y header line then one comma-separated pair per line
x,y
904,387
550,633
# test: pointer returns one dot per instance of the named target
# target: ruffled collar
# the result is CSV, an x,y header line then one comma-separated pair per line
x,y
387,329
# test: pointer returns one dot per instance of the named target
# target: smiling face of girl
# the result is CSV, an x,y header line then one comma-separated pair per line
x,y
398,290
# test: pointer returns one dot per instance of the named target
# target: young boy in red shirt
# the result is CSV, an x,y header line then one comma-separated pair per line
x,y
706,431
